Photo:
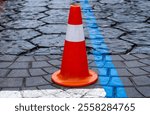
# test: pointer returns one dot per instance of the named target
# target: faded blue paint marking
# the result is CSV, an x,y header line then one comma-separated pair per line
x,y
105,66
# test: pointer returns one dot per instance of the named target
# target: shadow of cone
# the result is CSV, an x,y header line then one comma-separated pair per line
x,y
74,70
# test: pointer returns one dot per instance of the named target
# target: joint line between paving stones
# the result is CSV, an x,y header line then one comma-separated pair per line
x,y
135,86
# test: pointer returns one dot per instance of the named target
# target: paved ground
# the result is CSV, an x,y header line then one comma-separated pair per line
x,y
32,34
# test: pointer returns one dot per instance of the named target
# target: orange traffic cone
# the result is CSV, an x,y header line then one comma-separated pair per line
x,y
74,69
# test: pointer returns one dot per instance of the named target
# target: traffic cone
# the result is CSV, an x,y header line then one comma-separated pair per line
x,y
74,69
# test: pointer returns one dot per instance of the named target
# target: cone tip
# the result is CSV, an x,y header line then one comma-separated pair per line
x,y
75,17
74,5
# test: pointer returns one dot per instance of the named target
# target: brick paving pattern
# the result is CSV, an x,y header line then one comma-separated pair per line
x,y
32,34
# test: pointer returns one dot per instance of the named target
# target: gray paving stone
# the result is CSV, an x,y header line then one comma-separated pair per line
x,y
47,51
145,61
142,49
119,64
15,47
55,16
1,28
134,64
5,64
130,91
59,5
36,81
8,58
55,62
40,64
49,40
147,68
19,65
21,24
11,89
141,80
32,3
29,15
25,58
33,9
112,2
40,51
115,81
48,78
141,55
114,58
3,72
41,58
18,34
129,57
37,72
50,69
49,86
56,50
53,29
18,73
110,32
121,72
55,56
10,82
132,26
145,90
114,43
137,71
103,22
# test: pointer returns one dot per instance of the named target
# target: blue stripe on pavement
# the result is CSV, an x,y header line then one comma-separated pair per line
x,y
104,66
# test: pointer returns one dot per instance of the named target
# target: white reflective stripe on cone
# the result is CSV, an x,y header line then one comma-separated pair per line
x,y
75,33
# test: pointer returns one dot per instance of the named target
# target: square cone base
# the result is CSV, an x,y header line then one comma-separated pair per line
x,y
74,82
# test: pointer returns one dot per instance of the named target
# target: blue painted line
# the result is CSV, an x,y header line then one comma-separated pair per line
x,y
105,66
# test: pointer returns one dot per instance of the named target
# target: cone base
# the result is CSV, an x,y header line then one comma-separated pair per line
x,y
74,82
